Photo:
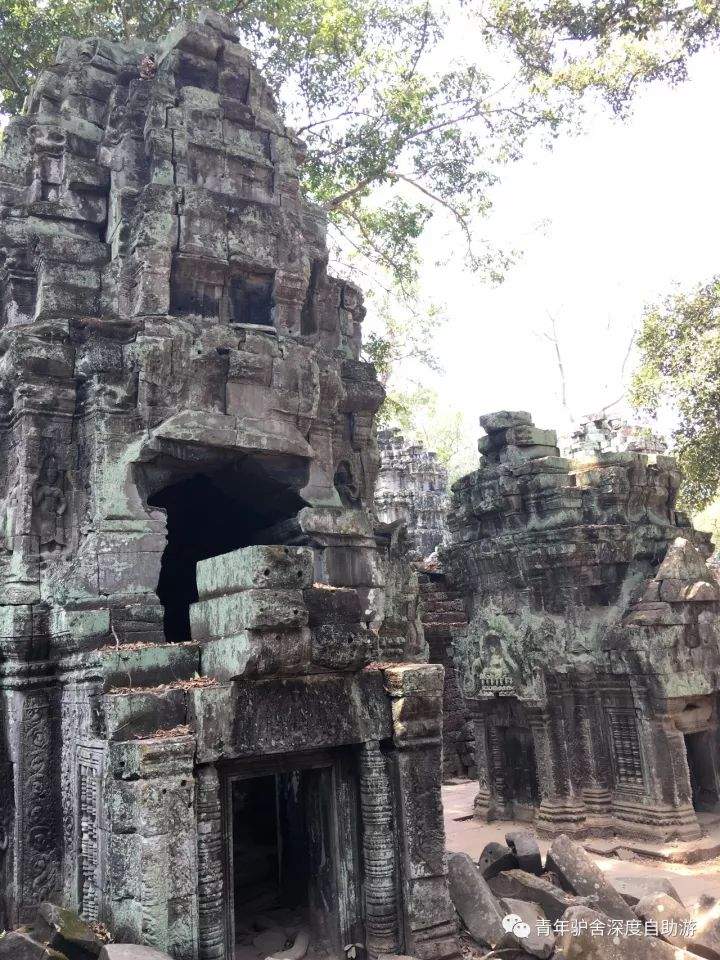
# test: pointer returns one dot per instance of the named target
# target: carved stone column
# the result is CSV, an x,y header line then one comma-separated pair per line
x,y
151,878
430,927
561,810
211,901
595,790
376,799
35,855
484,799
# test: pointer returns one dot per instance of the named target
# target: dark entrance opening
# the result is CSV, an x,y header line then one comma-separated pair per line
x,y
521,780
702,759
210,512
284,861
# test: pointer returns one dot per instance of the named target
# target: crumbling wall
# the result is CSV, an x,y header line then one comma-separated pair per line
x,y
594,630
189,575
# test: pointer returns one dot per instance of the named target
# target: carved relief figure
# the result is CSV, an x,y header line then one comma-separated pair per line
x,y
49,505
346,486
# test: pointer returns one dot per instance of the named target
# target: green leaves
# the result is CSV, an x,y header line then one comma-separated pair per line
x,y
680,368
570,47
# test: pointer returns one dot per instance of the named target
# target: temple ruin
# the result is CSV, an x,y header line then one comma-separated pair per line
x,y
230,681
214,690
412,488
411,497
590,658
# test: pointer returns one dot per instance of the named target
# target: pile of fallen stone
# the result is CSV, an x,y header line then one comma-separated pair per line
x,y
59,934
516,906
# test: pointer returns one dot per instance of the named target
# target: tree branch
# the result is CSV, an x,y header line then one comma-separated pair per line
x,y
6,69
342,198
561,369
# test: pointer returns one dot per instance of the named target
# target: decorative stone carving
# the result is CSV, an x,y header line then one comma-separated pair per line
x,y
192,590
376,797
49,506
592,612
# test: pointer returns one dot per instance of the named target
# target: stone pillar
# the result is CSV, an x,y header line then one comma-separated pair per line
x,y
211,858
376,799
484,800
430,927
32,831
561,810
660,806
151,876
595,790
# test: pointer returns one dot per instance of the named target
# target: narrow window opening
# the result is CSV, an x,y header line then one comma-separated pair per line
x,y
251,298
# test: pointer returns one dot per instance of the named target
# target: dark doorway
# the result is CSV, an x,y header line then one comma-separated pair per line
x,y
702,762
521,771
213,512
283,865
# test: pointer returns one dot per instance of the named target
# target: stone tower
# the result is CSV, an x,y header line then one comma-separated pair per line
x,y
591,660
412,486
191,592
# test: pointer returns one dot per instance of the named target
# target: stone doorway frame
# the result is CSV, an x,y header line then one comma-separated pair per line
x,y
339,777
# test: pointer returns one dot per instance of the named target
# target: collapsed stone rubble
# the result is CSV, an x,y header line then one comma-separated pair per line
x,y
561,906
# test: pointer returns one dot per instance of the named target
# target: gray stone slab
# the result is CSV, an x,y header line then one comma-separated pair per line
x,y
580,875
474,900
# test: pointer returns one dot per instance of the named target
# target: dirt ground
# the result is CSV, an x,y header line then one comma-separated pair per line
x,y
470,836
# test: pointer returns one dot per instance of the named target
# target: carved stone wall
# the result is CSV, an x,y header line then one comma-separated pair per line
x,y
593,636
190,579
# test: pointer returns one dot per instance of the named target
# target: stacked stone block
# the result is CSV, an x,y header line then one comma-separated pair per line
x,y
591,651
190,581
412,487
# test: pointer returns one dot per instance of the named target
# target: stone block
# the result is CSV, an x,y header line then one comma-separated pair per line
x,y
19,945
527,436
256,653
579,874
333,605
350,566
524,845
474,901
64,931
527,933
131,951
140,713
339,646
658,907
495,858
633,889
505,419
519,885
252,609
275,567
592,941
150,664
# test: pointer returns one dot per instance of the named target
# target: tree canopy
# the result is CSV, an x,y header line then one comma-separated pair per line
x,y
679,372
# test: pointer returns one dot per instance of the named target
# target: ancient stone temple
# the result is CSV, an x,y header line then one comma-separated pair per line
x,y
411,498
590,661
600,433
211,701
412,487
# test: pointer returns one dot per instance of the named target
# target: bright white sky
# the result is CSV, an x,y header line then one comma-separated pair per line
x,y
608,222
